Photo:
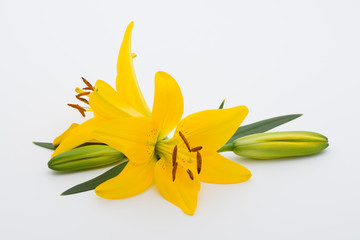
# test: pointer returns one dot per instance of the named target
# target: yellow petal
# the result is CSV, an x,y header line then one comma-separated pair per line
x,y
168,103
108,104
218,169
126,82
183,192
211,128
135,137
78,135
64,134
133,180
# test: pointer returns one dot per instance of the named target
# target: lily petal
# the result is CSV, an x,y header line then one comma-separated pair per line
x,y
183,192
126,82
168,103
58,139
79,135
135,137
133,180
212,128
218,169
108,104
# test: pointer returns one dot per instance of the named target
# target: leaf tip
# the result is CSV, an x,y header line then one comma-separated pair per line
x,y
222,104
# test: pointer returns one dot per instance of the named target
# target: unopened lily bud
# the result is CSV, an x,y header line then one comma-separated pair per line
x,y
279,144
85,157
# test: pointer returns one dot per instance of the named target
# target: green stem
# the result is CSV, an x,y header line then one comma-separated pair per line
x,y
226,148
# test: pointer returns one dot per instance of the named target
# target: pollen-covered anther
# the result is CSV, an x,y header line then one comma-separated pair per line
x,y
174,155
196,149
191,175
174,171
79,108
198,162
89,86
78,96
185,141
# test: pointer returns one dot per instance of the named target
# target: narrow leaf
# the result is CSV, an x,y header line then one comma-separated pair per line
x,y
93,183
222,104
45,145
262,126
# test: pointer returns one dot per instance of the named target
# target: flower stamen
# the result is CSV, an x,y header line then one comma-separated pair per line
x,y
82,99
196,149
79,108
185,141
191,175
89,86
198,162
174,171
174,155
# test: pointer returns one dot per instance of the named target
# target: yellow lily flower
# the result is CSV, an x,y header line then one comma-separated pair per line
x,y
105,102
176,165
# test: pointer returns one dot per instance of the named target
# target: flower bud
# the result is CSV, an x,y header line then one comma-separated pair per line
x,y
91,156
279,144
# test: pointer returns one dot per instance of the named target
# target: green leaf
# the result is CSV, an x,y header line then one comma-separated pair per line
x,y
52,147
93,183
222,104
45,145
262,126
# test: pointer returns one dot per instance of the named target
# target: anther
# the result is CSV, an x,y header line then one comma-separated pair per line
x,y
174,155
185,141
198,162
79,108
83,94
191,175
174,171
89,86
196,149
82,99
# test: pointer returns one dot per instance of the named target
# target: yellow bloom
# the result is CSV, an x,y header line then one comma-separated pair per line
x,y
176,165
105,102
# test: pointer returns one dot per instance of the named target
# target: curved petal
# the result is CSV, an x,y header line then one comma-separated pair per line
x,y
168,103
183,192
211,128
133,180
58,139
126,82
78,135
218,169
108,104
135,137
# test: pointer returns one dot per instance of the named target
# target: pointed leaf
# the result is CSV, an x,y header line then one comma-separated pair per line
x,y
262,126
222,104
45,145
93,183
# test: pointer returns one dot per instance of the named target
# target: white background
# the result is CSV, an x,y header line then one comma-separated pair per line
x,y
276,57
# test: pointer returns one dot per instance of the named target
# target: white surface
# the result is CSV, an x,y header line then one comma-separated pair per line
x,y
276,57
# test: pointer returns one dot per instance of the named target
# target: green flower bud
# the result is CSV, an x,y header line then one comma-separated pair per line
x,y
85,157
279,144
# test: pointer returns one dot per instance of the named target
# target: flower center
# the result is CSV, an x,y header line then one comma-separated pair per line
x,y
184,158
